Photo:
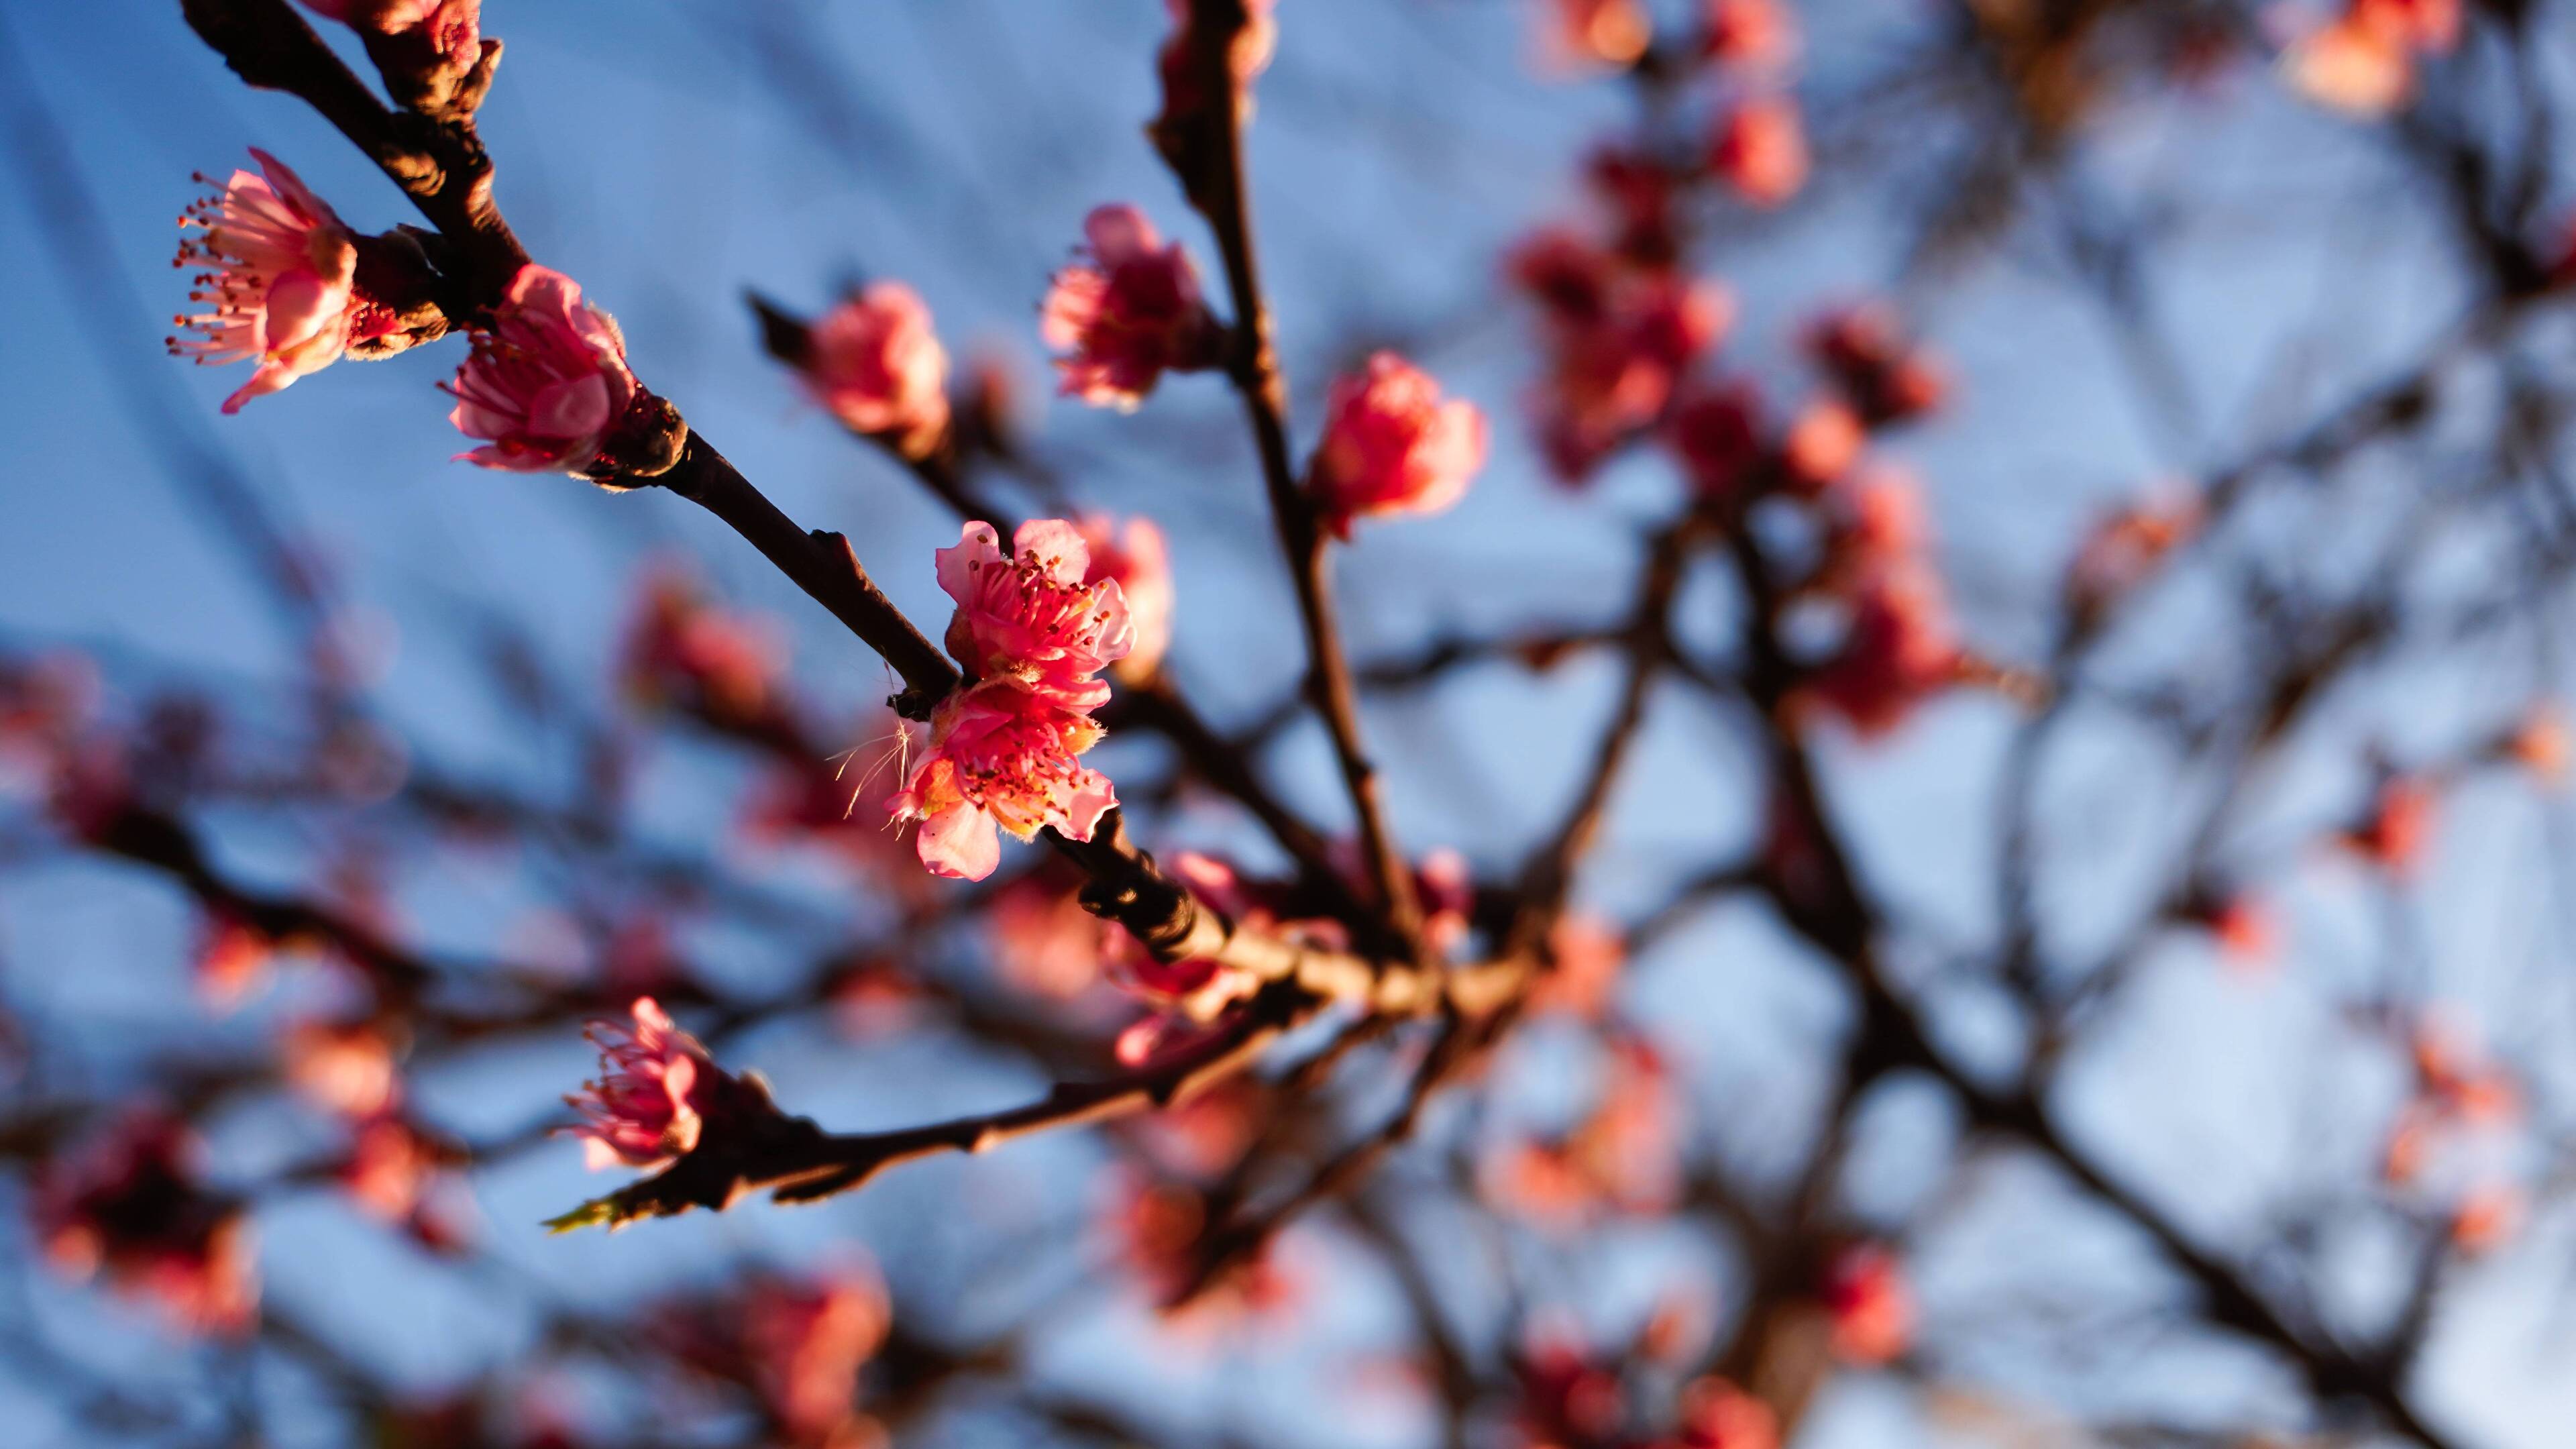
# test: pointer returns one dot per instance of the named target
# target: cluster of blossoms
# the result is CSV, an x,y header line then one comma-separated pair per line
x,y
1623,327
129,1205
454,28
1032,631
1895,644
2363,61
1758,144
2452,1138
546,385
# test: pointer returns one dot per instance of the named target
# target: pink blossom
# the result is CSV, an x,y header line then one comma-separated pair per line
x,y
1391,446
648,1103
129,1204
1718,1415
455,26
344,1069
1128,314
1761,150
1715,433
1751,35
1000,756
1038,617
1135,559
806,1343
547,383
279,279
1598,32
1898,649
878,366
1872,1306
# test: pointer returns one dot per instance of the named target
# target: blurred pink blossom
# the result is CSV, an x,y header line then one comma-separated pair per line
x,y
1127,314
1392,446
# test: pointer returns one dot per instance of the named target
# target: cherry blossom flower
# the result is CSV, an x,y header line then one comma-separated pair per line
x,y
683,652
877,365
2488,1217
1822,444
1133,557
279,280
1218,884
2540,743
1037,616
1714,431
1127,314
1754,36
1898,649
654,1090
1886,376
547,384
454,26
1718,1415
1565,1397
2400,826
388,1169
128,1204
2243,925
1641,191
1597,32
1044,941
807,1341
231,958
1160,1227
1000,757
1590,955
2363,61
1871,1305
1761,150
344,1069
1392,446
1617,376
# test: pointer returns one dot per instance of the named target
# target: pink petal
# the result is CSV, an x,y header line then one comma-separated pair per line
x,y
960,843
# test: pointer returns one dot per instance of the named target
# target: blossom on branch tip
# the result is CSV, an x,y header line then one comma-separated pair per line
x,y
1887,377
1037,616
1597,32
1133,556
655,1088
1391,445
279,280
1898,648
1126,313
549,382
1000,756
877,365
1761,150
